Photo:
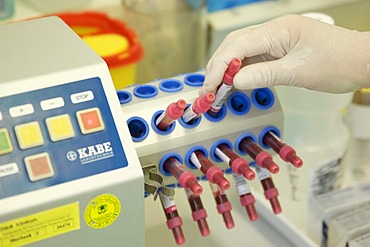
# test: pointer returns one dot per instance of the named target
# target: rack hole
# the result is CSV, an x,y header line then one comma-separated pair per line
x,y
138,128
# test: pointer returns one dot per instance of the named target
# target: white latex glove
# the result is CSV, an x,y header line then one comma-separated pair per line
x,y
297,51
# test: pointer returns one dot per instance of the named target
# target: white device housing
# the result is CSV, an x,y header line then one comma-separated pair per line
x,y
44,53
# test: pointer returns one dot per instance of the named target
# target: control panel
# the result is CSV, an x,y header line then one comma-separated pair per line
x,y
55,135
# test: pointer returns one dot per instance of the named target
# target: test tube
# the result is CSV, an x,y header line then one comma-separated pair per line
x,y
225,87
174,221
223,205
185,178
286,152
172,113
270,191
237,164
262,158
199,214
213,173
246,198
200,106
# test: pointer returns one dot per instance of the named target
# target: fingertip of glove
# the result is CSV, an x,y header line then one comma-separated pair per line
x,y
243,80
249,78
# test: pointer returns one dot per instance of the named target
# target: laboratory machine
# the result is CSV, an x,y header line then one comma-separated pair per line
x,y
78,157
69,174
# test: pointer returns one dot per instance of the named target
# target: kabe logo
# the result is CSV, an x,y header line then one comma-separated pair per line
x,y
95,152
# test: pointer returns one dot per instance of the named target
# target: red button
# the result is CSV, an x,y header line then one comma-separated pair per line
x,y
90,120
39,166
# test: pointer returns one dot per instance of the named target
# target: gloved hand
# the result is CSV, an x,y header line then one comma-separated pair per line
x,y
297,51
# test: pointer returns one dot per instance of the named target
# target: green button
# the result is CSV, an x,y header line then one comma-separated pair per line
x,y
5,143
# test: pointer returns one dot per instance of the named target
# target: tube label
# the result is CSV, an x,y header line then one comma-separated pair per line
x,y
167,201
194,159
159,119
276,137
222,156
189,114
241,184
262,173
221,95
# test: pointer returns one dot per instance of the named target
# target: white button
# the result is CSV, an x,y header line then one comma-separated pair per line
x,y
82,97
8,169
21,110
52,103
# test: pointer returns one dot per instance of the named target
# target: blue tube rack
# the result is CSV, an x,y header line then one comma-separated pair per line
x,y
246,113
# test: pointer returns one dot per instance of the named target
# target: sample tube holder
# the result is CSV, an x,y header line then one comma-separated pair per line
x,y
249,113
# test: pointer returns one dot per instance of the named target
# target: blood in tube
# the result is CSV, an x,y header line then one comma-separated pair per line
x,y
200,106
185,178
174,111
262,158
223,205
213,173
246,198
199,214
237,164
225,87
286,152
270,191
174,221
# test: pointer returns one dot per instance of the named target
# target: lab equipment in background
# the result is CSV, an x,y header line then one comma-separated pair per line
x,y
173,35
349,224
44,6
317,129
216,5
69,174
6,9
358,155
124,50
362,240
324,208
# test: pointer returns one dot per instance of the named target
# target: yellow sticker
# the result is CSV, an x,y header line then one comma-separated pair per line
x,y
102,211
39,226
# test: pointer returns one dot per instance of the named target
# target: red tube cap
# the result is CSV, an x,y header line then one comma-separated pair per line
x,y
233,68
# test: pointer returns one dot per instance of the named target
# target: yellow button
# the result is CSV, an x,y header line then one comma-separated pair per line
x,y
60,127
29,135
5,143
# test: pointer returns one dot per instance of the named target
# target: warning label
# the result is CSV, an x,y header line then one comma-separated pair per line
x,y
39,226
102,211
